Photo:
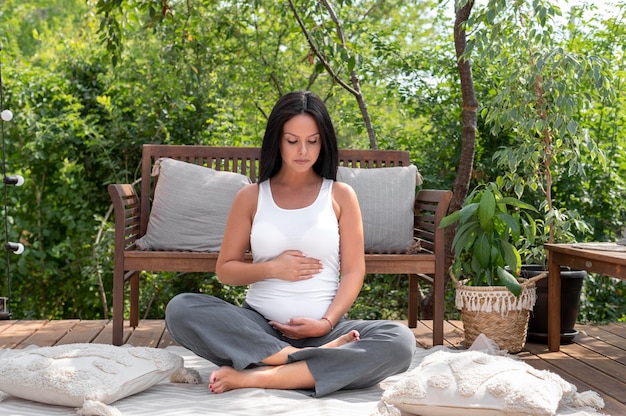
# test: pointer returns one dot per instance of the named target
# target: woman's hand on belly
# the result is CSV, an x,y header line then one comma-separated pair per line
x,y
293,266
298,328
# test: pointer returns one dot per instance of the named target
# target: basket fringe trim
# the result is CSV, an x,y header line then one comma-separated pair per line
x,y
500,301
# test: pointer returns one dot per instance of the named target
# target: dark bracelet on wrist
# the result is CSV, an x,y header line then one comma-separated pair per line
x,y
329,323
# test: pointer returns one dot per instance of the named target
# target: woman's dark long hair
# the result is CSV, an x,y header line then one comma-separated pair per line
x,y
288,106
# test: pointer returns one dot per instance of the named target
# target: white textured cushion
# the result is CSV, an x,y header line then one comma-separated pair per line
x,y
386,197
476,383
190,207
77,374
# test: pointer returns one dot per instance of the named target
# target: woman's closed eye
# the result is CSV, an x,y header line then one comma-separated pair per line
x,y
310,141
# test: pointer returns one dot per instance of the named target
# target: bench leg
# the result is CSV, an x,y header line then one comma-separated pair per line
x,y
439,300
413,300
134,300
118,306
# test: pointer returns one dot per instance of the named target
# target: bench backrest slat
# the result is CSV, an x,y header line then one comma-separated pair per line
x,y
244,160
373,158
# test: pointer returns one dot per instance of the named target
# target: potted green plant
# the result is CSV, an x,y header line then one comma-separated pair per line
x,y
493,300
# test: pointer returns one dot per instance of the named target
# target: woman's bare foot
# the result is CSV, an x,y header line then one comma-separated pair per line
x,y
227,378
344,339
290,376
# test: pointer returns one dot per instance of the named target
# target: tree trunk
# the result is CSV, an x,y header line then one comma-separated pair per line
x,y
470,107
468,140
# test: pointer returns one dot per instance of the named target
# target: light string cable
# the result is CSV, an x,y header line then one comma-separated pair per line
x,y
6,222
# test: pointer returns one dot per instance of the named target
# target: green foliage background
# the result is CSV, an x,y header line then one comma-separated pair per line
x,y
208,72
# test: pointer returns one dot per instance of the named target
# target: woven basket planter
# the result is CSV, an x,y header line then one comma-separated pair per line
x,y
496,312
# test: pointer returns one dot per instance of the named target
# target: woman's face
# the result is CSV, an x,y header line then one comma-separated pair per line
x,y
300,143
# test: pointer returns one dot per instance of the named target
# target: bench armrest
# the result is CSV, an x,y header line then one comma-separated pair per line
x,y
430,207
126,216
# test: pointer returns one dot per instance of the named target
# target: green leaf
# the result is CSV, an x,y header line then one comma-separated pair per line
x,y
464,237
467,211
450,219
572,127
487,209
511,223
482,250
514,202
509,281
511,256
351,63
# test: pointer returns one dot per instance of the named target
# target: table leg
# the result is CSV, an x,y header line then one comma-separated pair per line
x,y
554,304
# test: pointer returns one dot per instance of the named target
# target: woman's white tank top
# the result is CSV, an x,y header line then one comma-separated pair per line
x,y
314,230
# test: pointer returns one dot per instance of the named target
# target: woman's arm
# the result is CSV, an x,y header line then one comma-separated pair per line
x,y
351,251
231,267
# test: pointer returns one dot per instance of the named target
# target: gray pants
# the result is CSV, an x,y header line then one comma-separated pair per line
x,y
240,337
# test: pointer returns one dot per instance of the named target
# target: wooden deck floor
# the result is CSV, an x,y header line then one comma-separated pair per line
x,y
596,360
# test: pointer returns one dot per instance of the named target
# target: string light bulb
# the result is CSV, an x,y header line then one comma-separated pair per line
x,y
17,180
17,248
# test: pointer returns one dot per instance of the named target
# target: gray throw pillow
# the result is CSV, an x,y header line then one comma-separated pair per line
x,y
386,197
190,207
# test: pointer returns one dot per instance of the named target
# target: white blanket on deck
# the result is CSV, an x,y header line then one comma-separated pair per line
x,y
170,399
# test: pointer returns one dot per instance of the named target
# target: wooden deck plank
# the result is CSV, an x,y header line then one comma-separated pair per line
x,y
423,334
617,328
86,331
452,334
147,334
50,333
167,340
595,359
106,335
6,324
601,347
14,335
453,331
609,335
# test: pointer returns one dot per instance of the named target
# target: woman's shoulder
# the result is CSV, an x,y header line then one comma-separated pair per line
x,y
342,191
342,187
345,201
249,192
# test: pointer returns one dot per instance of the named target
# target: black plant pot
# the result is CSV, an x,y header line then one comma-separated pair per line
x,y
571,288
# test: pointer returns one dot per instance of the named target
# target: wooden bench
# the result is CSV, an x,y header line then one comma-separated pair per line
x,y
132,212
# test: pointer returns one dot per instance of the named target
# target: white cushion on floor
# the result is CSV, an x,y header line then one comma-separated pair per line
x,y
80,375
476,383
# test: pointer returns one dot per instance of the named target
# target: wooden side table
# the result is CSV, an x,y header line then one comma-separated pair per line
x,y
595,260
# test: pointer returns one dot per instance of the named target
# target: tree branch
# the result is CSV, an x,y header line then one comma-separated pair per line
x,y
355,80
355,89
